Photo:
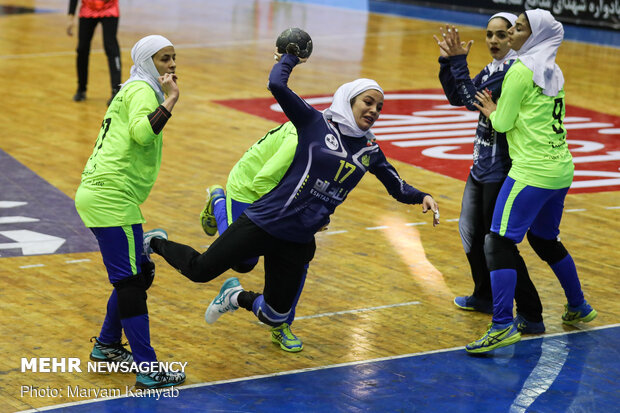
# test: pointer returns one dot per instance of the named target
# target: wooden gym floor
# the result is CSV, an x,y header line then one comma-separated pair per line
x,y
394,282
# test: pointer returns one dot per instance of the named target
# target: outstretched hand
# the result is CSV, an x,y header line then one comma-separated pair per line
x,y
451,45
429,204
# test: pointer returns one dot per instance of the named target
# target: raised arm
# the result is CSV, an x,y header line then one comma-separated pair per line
x,y
295,108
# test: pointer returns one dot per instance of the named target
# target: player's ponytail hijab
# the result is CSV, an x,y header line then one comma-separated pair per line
x,y
144,69
340,111
539,50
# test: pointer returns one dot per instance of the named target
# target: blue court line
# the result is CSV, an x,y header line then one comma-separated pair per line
x,y
571,32
576,371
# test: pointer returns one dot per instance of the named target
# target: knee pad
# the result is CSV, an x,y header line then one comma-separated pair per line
x,y
500,252
147,272
268,315
549,250
131,297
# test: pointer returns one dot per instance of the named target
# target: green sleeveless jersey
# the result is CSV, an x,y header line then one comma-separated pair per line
x,y
122,169
533,123
263,165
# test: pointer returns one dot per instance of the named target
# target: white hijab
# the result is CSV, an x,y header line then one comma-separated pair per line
x,y
539,50
144,68
340,111
496,63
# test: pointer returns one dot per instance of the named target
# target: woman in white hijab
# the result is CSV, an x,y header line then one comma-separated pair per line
x,y
117,179
531,201
334,151
491,163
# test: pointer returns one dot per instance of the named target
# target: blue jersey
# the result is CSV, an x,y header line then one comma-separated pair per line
x,y
491,159
327,165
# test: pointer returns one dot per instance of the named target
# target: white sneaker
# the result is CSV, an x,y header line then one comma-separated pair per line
x,y
148,236
221,303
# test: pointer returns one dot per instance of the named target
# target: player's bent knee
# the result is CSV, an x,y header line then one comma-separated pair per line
x,y
131,297
243,268
500,252
549,250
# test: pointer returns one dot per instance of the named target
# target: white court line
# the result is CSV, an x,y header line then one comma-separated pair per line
x,y
612,207
308,369
336,232
32,266
74,261
359,310
379,227
575,210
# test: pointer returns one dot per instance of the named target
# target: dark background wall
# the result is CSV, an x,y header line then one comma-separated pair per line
x,y
597,13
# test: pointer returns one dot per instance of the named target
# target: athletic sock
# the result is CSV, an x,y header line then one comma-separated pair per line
x,y
112,329
503,283
566,273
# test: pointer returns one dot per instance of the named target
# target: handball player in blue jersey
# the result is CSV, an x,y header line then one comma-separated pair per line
x,y
335,149
491,163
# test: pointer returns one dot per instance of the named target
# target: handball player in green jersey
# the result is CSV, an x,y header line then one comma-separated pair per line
x,y
117,179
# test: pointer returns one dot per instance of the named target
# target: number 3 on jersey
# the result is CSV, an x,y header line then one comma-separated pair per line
x,y
349,170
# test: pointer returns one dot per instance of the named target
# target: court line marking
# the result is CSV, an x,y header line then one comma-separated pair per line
x,y
309,369
359,310
32,266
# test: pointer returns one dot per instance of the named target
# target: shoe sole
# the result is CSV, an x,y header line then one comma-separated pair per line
x,y
473,309
463,307
508,341
287,349
205,217
591,316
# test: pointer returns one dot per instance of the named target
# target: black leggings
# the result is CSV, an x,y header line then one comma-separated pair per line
x,y
285,261
85,35
474,223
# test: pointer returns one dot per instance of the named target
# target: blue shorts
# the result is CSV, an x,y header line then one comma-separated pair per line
x,y
520,207
121,250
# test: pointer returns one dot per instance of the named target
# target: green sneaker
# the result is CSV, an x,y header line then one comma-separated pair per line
x,y
573,315
207,218
288,341
497,335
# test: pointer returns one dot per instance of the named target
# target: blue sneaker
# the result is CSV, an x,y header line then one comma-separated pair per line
x,y
158,379
471,303
207,217
497,335
528,327
148,236
573,315
221,303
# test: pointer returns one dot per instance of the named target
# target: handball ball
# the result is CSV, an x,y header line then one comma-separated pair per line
x,y
296,42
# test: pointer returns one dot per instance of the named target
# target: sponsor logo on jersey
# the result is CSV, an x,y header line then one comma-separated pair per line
x,y
331,142
366,160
